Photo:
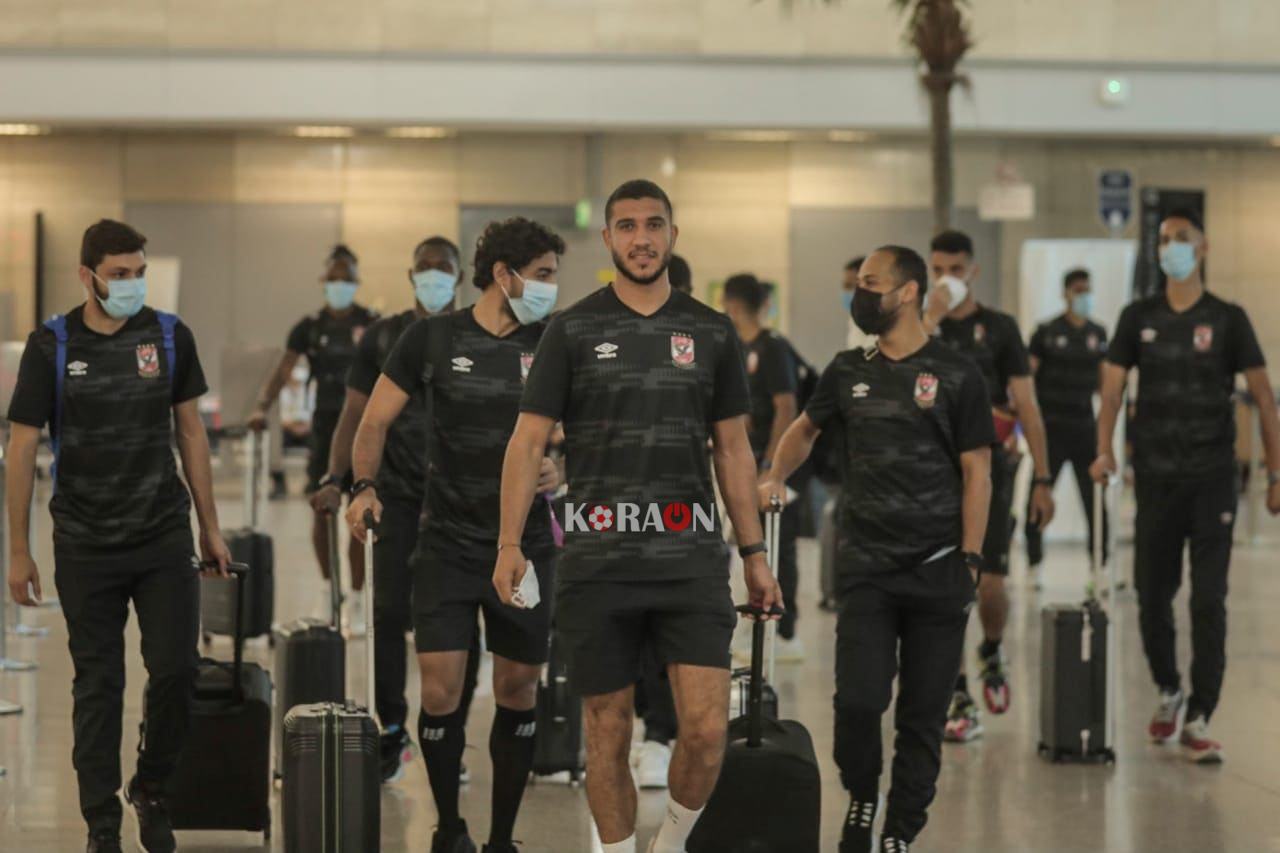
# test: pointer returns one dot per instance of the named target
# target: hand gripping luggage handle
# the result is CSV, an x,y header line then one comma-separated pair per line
x,y
755,689
335,574
371,527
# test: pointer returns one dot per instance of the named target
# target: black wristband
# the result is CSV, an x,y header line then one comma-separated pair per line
x,y
745,551
361,485
974,560
329,480
1042,481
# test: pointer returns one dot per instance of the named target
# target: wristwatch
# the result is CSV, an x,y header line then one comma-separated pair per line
x,y
974,561
745,551
361,485
1043,481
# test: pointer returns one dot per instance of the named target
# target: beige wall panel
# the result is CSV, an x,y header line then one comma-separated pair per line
x,y
444,25
401,171
520,169
338,25
196,168
225,24
116,24
542,26
288,170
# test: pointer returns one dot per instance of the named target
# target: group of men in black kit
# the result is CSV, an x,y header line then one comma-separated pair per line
x,y
642,378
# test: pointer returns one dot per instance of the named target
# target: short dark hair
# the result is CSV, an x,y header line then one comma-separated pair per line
x,y
438,242
909,266
341,252
1187,214
953,243
856,264
745,288
109,237
679,274
635,190
516,242
1072,276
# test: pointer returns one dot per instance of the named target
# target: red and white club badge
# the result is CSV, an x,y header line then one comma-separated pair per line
x,y
753,362
148,361
1203,338
600,518
526,362
682,351
926,390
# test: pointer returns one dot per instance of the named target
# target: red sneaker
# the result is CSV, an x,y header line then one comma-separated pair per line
x,y
1167,721
1197,746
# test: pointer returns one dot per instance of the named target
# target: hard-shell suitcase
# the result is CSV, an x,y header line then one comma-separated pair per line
x,y
253,547
331,796
311,656
558,743
222,780
1077,667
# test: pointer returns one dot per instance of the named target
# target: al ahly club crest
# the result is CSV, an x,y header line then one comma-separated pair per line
x,y
148,361
926,390
526,362
682,351
1203,338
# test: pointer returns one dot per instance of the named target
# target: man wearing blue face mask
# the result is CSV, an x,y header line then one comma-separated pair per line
x,y
118,384
471,365
328,340
402,482
1066,358
1188,345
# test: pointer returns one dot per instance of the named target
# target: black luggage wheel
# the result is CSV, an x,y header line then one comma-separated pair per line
x,y
1057,755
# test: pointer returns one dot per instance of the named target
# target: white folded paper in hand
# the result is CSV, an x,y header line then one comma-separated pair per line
x,y
527,594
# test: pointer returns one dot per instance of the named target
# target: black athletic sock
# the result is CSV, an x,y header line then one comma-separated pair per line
x,y
988,648
442,740
511,748
962,684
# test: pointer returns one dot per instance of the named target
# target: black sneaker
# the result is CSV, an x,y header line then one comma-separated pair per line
x,y
509,847
889,844
105,840
155,834
453,839
394,751
855,837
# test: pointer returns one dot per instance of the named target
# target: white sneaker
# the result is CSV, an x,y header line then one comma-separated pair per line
x,y
355,613
1036,575
324,608
653,765
789,651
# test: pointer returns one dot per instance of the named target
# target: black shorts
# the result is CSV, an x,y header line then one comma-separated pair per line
x,y
995,545
450,589
323,425
605,627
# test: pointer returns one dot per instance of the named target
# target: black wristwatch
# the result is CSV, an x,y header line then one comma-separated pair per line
x,y
974,561
361,485
745,551
1047,482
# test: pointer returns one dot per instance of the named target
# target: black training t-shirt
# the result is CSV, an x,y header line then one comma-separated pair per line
x,y
770,371
329,343
1185,425
117,484
991,338
638,397
905,424
1068,374
474,380
403,474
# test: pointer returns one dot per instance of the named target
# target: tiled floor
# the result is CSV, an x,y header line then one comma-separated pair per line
x,y
995,795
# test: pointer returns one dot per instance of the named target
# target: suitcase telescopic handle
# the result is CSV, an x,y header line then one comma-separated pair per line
x,y
772,540
755,689
238,572
335,573
372,534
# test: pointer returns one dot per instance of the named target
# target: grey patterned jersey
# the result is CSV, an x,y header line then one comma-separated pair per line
x,y
117,485
905,424
638,397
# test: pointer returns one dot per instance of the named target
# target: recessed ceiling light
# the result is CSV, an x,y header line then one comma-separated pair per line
x,y
419,132
751,136
318,131
849,136
23,129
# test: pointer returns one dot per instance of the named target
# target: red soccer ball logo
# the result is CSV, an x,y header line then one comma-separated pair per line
x,y
601,518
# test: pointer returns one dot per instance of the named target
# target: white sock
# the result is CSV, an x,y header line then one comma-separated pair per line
x,y
676,828
626,845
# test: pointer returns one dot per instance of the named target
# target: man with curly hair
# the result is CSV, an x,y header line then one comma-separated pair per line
x,y
472,365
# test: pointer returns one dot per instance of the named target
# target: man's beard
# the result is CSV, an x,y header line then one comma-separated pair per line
x,y
648,279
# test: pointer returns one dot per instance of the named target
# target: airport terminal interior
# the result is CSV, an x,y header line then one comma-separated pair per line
x,y
275,152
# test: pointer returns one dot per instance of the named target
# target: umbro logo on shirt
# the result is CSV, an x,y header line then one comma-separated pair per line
x,y
606,350
860,390
77,368
462,364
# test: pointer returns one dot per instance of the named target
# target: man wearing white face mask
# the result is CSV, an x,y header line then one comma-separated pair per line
x,y
992,339
1188,345
328,340
471,365
118,383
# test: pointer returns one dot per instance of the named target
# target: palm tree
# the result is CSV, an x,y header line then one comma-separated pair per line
x,y
938,32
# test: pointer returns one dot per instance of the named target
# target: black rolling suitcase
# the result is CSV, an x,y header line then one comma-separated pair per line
x,y
768,798
558,744
311,656
1077,667
332,779
254,548
223,779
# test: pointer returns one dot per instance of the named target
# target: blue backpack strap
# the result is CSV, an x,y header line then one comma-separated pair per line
x,y
168,322
58,325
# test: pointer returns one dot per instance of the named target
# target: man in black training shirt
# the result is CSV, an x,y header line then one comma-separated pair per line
x,y
1066,358
402,485
771,383
642,376
472,365
911,521
328,339
1188,345
129,383
991,338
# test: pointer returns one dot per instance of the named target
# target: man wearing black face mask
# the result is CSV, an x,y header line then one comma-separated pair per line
x,y
912,516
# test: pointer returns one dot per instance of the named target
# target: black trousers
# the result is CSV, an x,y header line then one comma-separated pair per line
x,y
788,568
95,591
1077,444
1171,514
393,613
909,624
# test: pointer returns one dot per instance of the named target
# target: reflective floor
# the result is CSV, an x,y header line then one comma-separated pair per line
x,y
995,795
